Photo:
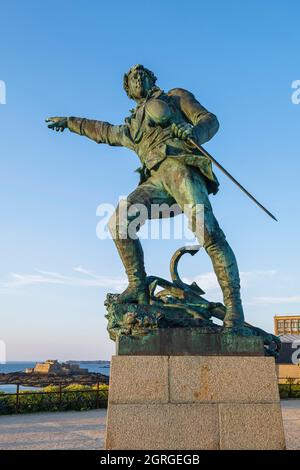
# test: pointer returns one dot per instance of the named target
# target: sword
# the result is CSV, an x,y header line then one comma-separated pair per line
x,y
213,160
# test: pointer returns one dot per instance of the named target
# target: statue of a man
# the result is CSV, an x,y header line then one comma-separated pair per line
x,y
173,172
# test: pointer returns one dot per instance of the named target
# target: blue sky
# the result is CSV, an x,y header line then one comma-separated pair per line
x,y
238,58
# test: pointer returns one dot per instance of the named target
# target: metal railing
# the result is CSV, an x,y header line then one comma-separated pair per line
x,y
100,397
289,387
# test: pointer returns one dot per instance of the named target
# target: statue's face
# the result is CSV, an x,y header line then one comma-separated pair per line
x,y
139,83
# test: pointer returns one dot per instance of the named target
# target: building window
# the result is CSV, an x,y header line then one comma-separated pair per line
x,y
285,325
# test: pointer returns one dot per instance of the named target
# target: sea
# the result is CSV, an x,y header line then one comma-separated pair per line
x,y
102,368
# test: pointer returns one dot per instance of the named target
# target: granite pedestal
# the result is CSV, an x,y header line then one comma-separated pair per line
x,y
185,401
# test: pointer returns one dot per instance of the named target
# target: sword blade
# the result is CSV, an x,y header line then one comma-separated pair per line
x,y
213,160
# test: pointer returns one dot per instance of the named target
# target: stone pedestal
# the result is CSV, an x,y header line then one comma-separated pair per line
x,y
185,402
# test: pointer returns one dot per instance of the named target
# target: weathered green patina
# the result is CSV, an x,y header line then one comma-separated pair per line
x,y
192,341
176,318
173,173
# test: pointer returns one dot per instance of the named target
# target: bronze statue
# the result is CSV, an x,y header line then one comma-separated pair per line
x,y
160,130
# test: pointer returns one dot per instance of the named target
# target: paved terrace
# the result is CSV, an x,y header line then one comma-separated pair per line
x,y
86,429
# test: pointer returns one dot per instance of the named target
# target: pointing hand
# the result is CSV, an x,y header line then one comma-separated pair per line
x,y
58,123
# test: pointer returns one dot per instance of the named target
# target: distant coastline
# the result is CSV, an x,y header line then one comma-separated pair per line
x,y
87,362
14,372
60,360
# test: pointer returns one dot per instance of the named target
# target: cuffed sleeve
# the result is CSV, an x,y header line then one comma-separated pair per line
x,y
207,126
205,123
101,132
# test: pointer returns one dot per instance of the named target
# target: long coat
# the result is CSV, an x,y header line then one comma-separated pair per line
x,y
153,143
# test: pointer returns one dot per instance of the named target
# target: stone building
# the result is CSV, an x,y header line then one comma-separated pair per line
x,y
287,325
54,367
288,361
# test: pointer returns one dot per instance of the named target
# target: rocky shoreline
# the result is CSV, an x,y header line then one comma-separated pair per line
x,y
42,380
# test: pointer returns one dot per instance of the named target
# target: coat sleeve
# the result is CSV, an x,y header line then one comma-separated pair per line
x,y
101,132
205,123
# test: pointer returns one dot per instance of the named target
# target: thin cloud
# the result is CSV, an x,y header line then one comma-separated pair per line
x,y
293,299
209,283
86,278
82,270
17,281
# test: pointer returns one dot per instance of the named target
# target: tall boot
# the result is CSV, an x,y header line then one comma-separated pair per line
x,y
132,256
226,269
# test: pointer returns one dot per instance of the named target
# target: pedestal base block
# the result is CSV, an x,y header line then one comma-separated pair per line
x,y
193,402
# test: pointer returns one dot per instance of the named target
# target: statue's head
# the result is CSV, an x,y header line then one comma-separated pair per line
x,y
138,81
